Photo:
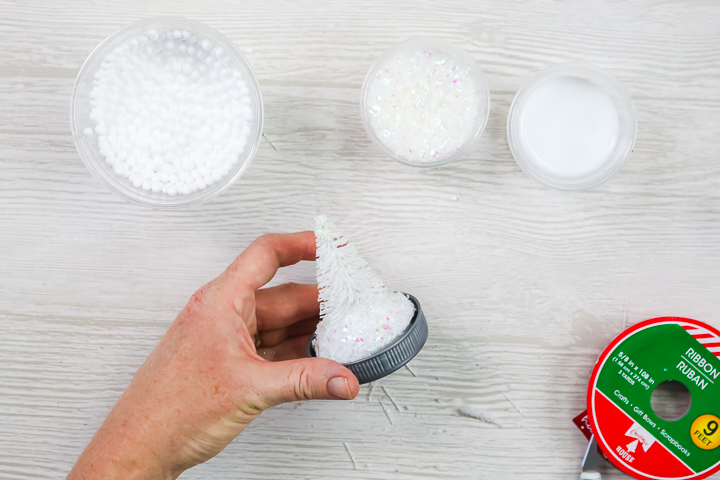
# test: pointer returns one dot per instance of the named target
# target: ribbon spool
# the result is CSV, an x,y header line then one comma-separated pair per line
x,y
629,432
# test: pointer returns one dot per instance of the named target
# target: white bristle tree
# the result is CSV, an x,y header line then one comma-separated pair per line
x,y
344,278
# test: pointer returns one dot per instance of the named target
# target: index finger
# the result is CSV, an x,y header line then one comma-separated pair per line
x,y
258,264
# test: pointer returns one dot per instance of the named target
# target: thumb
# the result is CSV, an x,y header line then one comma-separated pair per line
x,y
308,379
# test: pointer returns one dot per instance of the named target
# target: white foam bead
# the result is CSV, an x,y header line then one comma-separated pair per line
x,y
155,177
200,183
185,34
137,182
165,187
174,178
157,187
188,165
193,38
177,33
172,190
206,44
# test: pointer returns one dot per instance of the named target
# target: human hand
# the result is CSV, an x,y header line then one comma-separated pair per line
x,y
206,381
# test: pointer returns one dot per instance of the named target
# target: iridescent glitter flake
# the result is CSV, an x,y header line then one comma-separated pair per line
x,y
360,316
423,104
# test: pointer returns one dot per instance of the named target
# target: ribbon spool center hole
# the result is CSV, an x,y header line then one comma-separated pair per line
x,y
671,400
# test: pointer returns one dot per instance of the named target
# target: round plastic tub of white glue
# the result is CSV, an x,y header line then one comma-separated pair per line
x,y
240,140
424,102
571,126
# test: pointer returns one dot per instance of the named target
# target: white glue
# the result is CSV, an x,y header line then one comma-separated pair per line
x,y
568,127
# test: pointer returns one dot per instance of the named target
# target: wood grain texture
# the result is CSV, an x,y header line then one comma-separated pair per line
x,y
522,285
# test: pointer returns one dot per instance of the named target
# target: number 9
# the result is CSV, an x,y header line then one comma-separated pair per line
x,y
712,426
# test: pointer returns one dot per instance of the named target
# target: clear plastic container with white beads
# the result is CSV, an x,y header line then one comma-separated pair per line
x,y
424,102
197,151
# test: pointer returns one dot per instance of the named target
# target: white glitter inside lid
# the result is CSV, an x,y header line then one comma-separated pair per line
x,y
360,316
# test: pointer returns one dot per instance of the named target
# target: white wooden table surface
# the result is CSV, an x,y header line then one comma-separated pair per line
x,y
522,285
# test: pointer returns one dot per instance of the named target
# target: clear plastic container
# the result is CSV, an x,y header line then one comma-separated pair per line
x,y
597,171
399,53
87,145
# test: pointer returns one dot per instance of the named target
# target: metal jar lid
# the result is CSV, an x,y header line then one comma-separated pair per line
x,y
392,357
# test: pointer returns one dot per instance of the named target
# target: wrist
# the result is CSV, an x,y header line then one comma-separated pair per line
x,y
124,448
120,457
109,463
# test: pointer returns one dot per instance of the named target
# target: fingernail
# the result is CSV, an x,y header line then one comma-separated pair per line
x,y
338,387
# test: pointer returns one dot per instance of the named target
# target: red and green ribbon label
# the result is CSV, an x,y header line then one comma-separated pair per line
x,y
634,438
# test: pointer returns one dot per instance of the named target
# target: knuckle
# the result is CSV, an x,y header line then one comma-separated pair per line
x,y
290,288
302,385
265,239
197,299
196,308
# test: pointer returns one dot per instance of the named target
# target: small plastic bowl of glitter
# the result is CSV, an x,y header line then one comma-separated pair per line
x,y
394,356
425,102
